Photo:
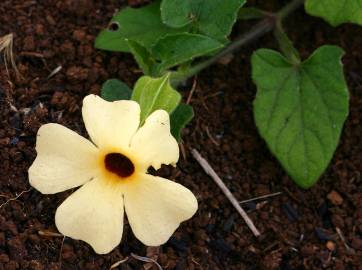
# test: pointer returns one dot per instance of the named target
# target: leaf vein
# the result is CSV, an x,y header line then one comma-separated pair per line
x,y
323,101
275,100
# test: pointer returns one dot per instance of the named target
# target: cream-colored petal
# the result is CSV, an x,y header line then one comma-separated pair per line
x,y
153,142
155,207
64,160
94,214
110,124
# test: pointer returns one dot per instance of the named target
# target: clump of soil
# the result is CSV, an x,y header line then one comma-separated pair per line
x,y
299,227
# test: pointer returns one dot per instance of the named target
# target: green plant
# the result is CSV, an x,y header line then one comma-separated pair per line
x,y
170,33
152,94
300,105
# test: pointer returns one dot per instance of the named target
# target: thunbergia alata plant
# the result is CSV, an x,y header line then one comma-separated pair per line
x,y
300,105
112,172
299,109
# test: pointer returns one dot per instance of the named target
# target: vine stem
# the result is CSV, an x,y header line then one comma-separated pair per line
x,y
288,9
259,30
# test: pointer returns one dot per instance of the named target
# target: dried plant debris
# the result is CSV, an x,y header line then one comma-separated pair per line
x,y
6,48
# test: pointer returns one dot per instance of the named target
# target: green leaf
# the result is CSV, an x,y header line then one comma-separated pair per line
x,y
181,116
154,94
143,57
114,89
176,49
142,25
213,18
300,109
336,12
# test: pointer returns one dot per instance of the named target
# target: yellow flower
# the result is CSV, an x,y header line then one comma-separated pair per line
x,y
113,175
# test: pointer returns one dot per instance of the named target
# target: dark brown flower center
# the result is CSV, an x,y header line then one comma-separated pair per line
x,y
119,164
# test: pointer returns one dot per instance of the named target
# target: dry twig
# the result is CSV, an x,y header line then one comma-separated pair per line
x,y
210,171
32,54
145,259
261,197
15,198
153,253
50,234
137,257
61,251
210,136
193,88
6,47
348,248
116,264
183,151
55,71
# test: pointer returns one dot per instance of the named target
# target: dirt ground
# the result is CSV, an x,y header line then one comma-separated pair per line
x,y
299,227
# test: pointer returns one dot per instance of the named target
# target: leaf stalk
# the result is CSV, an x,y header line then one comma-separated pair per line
x,y
259,30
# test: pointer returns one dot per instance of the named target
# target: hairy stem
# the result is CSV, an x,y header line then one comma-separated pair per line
x,y
286,45
259,30
288,9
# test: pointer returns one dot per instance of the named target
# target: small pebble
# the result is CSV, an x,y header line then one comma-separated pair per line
x,y
335,198
331,245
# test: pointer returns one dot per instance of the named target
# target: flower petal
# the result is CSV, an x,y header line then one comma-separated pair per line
x,y
153,142
110,124
64,160
94,214
156,206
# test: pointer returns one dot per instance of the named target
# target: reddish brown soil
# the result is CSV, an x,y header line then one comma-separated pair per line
x,y
298,227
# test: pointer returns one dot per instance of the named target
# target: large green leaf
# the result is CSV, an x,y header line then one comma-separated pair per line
x,y
176,49
214,18
336,11
154,94
300,109
142,25
114,89
180,117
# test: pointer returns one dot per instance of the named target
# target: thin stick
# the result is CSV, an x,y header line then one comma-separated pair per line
x,y
15,198
261,197
183,151
50,234
348,248
210,136
194,84
146,259
210,171
55,71
61,252
6,46
116,264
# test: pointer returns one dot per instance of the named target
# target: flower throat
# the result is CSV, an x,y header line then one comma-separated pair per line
x,y
119,164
